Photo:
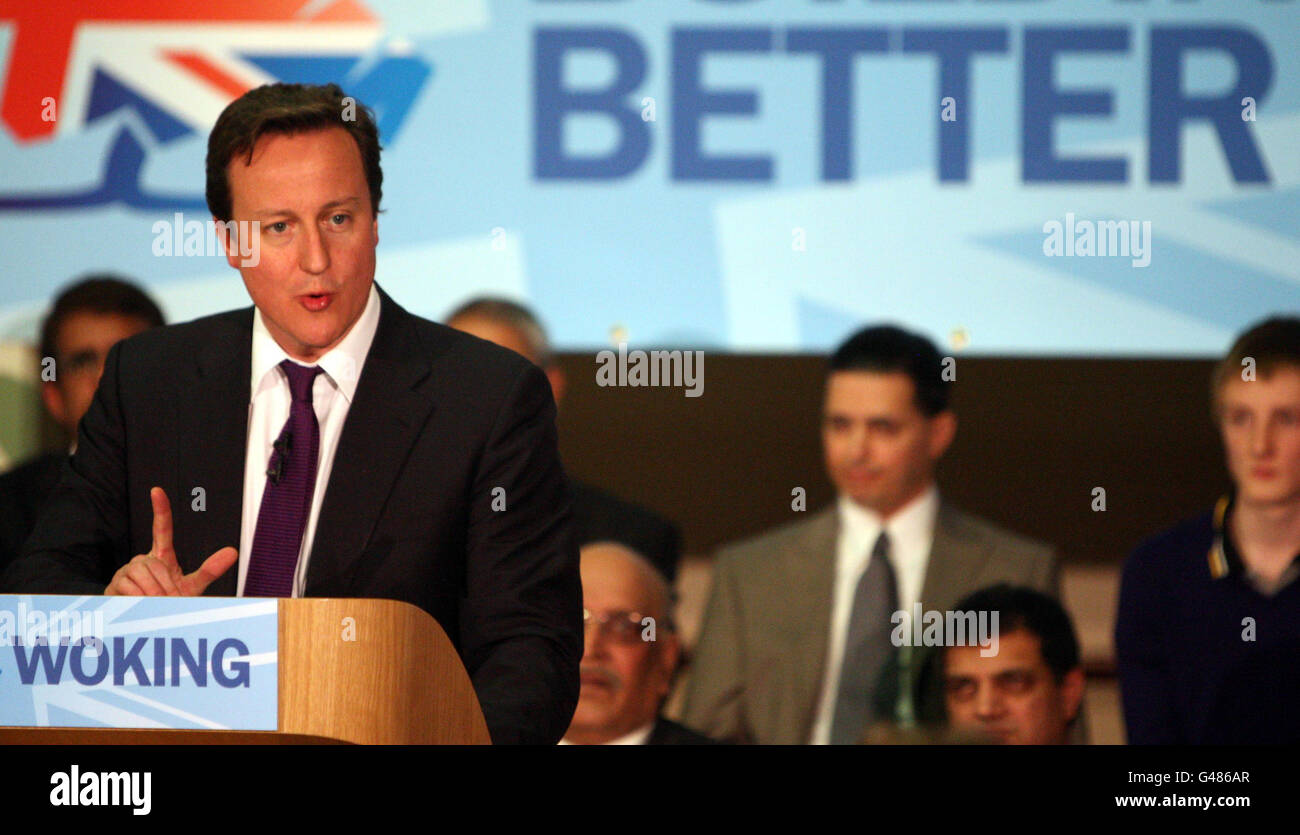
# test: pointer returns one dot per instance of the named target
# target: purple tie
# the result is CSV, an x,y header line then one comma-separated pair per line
x,y
286,502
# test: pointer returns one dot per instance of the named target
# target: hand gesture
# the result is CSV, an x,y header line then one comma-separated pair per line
x,y
158,572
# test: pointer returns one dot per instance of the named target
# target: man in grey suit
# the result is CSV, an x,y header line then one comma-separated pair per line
x,y
800,641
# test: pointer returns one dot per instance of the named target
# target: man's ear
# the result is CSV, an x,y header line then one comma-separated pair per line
x,y
558,382
55,403
943,428
670,652
231,246
1072,693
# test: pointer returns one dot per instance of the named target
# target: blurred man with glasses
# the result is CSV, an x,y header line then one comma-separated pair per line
x,y
630,652
87,319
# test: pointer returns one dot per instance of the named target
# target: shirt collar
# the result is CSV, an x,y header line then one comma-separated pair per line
x,y
916,519
342,363
1224,558
637,737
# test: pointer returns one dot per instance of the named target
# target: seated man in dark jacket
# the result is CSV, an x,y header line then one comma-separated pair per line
x,y
631,653
87,319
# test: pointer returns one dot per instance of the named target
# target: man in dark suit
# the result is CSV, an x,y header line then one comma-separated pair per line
x,y
86,319
598,515
631,653
349,448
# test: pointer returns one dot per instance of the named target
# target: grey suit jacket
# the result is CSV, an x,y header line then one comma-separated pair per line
x,y
757,670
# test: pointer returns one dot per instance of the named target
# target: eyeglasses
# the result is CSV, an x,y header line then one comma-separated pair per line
x,y
623,627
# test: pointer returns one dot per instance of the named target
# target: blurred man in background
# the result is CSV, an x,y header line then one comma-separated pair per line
x,y
1030,690
631,652
795,646
87,319
1208,634
598,514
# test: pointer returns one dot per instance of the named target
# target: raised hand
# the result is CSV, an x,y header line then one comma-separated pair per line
x,y
158,572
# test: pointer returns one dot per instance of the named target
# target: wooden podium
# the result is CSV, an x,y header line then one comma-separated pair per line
x,y
399,681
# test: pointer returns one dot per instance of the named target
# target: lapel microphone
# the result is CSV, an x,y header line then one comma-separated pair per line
x,y
282,445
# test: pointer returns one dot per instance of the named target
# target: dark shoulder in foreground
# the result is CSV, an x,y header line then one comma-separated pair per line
x,y
401,338
217,328
38,474
23,491
1184,546
459,358
668,732
157,354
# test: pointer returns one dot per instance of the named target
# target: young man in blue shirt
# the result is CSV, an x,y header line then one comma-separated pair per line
x,y
1208,635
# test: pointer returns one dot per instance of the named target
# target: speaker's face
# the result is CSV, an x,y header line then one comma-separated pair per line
x,y
317,233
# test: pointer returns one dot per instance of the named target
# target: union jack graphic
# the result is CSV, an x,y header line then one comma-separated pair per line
x,y
172,68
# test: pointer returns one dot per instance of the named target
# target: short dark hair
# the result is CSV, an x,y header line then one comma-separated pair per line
x,y
287,109
1039,614
99,293
887,348
1271,343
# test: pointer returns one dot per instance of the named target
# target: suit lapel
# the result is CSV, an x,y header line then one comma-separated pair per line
x,y
956,559
811,568
212,413
383,421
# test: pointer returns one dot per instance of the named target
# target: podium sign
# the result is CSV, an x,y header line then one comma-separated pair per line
x,y
139,662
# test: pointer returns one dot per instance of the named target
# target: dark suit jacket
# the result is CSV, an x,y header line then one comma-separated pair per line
x,y
761,657
601,516
23,491
439,420
668,732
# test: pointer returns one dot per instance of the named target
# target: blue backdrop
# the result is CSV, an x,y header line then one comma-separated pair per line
x,y
760,175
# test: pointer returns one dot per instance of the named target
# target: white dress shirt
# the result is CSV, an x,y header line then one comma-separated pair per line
x,y
637,737
911,533
268,410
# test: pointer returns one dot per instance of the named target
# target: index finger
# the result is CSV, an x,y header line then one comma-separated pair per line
x,y
162,526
